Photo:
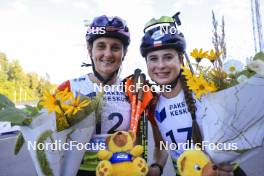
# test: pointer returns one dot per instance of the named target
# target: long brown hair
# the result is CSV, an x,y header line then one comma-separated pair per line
x,y
190,101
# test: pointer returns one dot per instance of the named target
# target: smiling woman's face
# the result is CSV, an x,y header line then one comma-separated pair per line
x,y
107,54
163,65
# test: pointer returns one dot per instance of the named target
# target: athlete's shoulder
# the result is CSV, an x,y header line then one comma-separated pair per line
x,y
70,83
80,79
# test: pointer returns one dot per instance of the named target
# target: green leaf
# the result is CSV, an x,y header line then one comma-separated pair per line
x,y
98,105
41,155
31,111
259,55
19,143
39,106
5,102
246,72
15,116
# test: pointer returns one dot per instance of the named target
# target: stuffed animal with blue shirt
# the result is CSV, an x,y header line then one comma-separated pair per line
x,y
122,158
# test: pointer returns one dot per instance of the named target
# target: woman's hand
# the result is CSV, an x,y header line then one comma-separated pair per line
x,y
153,171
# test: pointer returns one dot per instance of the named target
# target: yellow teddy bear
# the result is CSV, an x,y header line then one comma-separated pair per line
x,y
195,163
122,158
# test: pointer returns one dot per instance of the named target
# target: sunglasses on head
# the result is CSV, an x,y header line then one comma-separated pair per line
x,y
162,21
104,21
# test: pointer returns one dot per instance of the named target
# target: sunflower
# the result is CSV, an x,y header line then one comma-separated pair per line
x,y
75,105
212,87
198,55
213,56
200,86
50,102
186,72
192,82
64,95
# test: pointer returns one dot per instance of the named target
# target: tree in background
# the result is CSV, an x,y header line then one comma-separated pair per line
x,y
18,85
15,72
33,80
3,67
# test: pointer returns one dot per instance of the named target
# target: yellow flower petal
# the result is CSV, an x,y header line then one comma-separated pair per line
x,y
69,111
75,110
200,86
199,55
84,103
213,55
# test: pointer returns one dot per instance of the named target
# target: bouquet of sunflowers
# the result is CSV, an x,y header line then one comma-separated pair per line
x,y
216,76
56,132
232,104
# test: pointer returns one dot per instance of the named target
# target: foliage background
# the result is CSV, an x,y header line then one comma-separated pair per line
x,y
18,85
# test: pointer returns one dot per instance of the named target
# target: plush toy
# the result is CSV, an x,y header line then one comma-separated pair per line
x,y
195,163
122,158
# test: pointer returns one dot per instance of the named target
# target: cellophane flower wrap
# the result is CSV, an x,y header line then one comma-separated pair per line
x,y
232,101
56,132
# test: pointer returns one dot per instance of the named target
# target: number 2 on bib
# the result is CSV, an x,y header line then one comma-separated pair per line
x,y
113,116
